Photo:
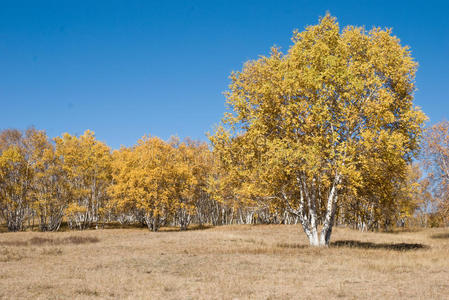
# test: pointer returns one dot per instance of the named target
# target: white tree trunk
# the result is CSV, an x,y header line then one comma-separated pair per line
x,y
330,213
309,218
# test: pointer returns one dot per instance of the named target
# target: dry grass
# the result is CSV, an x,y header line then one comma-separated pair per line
x,y
230,262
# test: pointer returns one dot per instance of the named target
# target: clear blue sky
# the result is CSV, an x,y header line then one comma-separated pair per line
x,y
128,68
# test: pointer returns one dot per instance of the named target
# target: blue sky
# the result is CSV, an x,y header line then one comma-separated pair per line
x,y
128,68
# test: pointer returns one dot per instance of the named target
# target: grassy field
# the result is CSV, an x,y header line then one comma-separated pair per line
x,y
229,262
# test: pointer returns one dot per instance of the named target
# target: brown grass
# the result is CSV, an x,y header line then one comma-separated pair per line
x,y
230,262
39,241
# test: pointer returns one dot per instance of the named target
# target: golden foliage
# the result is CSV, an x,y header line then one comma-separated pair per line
x,y
87,165
157,180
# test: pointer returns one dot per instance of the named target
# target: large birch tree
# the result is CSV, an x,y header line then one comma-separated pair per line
x,y
308,127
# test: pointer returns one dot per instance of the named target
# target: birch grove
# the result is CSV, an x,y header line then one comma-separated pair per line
x,y
322,135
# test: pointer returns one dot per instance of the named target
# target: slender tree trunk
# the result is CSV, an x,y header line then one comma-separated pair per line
x,y
330,213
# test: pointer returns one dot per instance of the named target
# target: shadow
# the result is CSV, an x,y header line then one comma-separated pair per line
x,y
384,246
440,236
161,229
116,225
403,230
190,228
39,241
64,227
113,225
292,246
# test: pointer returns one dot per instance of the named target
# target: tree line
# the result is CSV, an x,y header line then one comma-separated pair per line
x,y
82,182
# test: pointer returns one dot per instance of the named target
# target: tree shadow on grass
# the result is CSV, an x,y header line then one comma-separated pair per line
x,y
161,229
190,228
403,230
383,246
40,241
440,236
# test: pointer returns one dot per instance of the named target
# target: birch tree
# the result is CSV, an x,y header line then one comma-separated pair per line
x,y
50,190
87,164
437,163
143,177
15,178
192,167
306,127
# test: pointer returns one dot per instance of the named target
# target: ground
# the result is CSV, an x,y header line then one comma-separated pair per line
x,y
228,262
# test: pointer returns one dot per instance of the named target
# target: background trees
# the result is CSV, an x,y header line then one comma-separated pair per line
x,y
50,186
15,177
47,180
143,181
77,180
86,163
436,161
157,182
